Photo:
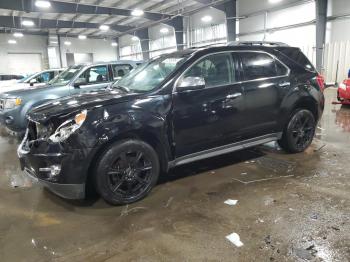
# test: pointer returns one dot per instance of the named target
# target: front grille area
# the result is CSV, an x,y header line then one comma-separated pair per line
x,y
32,132
2,104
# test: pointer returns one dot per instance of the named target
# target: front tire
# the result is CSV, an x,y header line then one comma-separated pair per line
x,y
299,132
126,172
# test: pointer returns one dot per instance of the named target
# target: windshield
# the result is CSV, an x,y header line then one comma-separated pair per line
x,y
148,76
24,80
66,76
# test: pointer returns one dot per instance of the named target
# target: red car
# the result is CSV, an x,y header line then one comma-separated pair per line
x,y
344,92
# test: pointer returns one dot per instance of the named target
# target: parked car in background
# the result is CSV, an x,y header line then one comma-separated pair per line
x,y
14,105
32,81
6,79
177,108
343,93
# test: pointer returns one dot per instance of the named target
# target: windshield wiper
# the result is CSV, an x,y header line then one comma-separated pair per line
x,y
125,89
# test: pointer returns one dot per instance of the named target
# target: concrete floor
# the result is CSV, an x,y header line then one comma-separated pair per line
x,y
290,208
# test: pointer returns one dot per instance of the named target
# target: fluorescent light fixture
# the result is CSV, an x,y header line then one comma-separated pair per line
x,y
82,37
104,27
67,43
164,30
27,23
114,44
134,38
53,42
12,41
17,34
137,12
207,18
274,1
42,4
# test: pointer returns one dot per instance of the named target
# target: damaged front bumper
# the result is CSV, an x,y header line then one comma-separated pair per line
x,y
54,166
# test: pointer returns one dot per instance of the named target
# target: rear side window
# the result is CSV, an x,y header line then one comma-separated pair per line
x,y
215,69
260,65
298,57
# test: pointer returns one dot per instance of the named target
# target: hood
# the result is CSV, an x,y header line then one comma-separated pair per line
x,y
75,103
23,90
14,87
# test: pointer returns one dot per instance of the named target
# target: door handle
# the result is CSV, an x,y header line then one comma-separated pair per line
x,y
233,96
284,84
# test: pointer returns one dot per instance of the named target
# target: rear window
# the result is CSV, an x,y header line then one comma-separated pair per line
x,y
298,57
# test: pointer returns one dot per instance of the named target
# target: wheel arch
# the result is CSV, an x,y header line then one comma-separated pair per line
x,y
142,135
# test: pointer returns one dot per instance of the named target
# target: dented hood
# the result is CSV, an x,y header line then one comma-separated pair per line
x,y
71,104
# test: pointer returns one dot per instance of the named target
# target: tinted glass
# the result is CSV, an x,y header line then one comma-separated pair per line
x,y
120,71
94,75
280,69
258,65
215,69
298,57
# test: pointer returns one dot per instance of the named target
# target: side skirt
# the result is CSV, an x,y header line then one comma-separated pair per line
x,y
225,149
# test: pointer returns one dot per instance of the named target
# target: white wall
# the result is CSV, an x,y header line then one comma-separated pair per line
x,y
298,36
339,29
29,44
101,49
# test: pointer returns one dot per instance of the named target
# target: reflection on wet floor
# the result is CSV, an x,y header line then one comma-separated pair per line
x,y
287,207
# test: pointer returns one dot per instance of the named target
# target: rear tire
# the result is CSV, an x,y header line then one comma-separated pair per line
x,y
126,172
298,132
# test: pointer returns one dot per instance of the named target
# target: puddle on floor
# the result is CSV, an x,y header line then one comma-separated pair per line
x,y
265,168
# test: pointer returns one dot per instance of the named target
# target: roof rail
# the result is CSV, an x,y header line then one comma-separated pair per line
x,y
252,43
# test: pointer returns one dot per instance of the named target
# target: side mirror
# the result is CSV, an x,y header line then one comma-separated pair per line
x,y
33,81
190,83
79,82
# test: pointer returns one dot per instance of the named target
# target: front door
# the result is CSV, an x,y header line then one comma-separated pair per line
x,y
93,78
208,117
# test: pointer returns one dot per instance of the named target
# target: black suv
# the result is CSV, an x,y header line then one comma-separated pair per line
x,y
175,109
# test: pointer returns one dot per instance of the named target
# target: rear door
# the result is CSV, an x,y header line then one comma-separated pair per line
x,y
265,80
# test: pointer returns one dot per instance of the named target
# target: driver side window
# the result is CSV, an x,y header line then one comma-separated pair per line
x,y
95,75
215,69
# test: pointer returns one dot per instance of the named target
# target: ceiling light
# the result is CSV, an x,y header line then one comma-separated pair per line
x,y
17,34
27,23
42,4
12,41
134,38
104,27
82,37
137,12
274,1
207,18
114,44
67,43
164,30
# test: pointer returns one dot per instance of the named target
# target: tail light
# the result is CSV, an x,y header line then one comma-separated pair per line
x,y
320,82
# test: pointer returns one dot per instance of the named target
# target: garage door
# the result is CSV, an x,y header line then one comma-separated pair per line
x,y
24,63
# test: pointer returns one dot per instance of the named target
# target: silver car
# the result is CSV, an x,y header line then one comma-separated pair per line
x,y
76,79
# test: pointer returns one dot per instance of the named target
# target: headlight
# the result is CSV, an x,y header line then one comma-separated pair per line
x,y
68,127
342,86
10,103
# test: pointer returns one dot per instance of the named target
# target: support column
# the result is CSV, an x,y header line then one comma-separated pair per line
x,y
321,24
178,24
230,9
144,40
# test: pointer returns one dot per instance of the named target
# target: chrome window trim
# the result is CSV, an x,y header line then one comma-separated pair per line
x,y
239,82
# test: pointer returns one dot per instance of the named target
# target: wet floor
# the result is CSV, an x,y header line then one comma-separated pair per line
x,y
289,208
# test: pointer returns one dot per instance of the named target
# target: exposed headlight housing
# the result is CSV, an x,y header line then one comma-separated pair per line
x,y
342,86
64,131
10,103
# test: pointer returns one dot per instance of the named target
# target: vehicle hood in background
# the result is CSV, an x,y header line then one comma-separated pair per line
x,y
22,90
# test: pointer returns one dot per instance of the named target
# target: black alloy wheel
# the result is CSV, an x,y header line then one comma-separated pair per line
x,y
299,132
127,172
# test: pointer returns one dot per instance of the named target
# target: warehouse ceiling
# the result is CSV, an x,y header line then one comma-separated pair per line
x,y
71,17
